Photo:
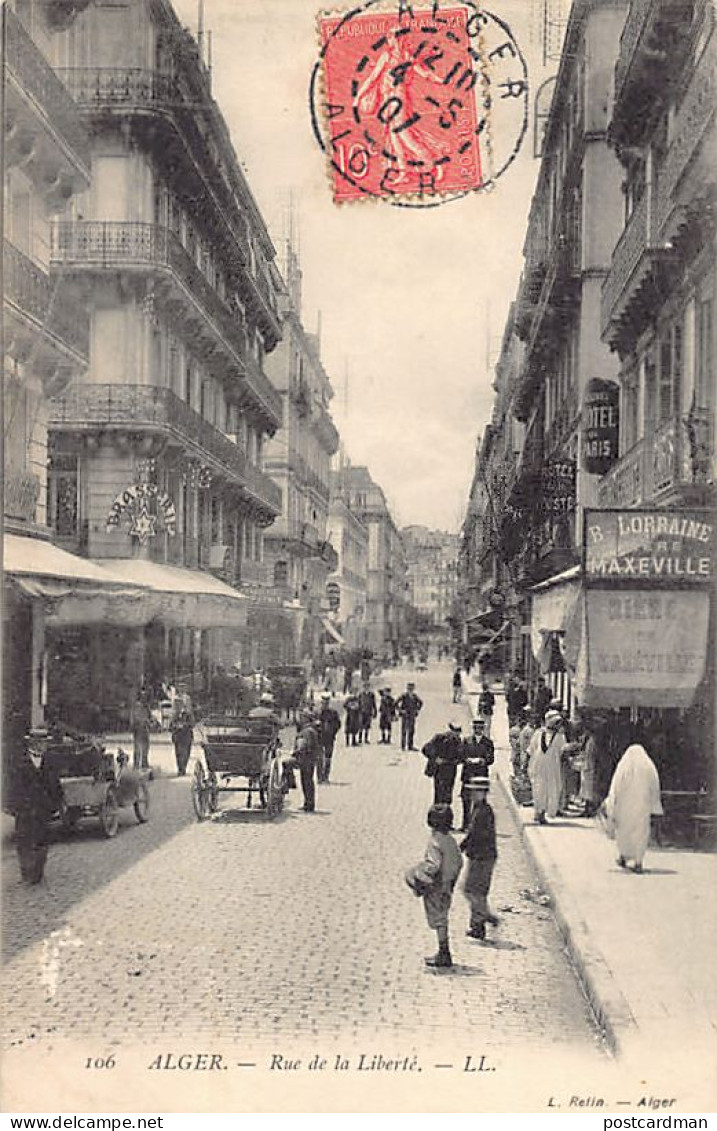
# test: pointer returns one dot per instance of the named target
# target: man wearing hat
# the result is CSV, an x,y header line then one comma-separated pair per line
x,y
386,714
265,709
480,848
367,712
478,755
545,766
307,753
329,725
408,707
444,753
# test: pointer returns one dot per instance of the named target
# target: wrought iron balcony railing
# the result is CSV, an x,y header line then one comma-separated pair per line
x,y
110,243
678,454
43,299
693,117
33,74
135,89
87,406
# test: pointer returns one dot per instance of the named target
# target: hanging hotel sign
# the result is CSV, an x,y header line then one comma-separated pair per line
x,y
557,487
143,504
601,426
675,547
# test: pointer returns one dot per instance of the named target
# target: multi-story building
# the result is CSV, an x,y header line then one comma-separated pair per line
x,y
386,602
658,316
156,460
46,341
604,509
492,603
347,586
572,229
534,484
298,551
432,558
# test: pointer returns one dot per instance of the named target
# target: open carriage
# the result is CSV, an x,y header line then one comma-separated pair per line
x,y
238,747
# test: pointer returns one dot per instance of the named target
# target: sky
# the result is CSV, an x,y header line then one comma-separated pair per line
x,y
413,301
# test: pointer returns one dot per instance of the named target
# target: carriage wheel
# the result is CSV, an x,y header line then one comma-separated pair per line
x,y
109,813
212,793
275,791
141,805
199,792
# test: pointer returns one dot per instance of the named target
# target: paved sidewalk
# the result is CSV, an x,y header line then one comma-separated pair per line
x,y
643,945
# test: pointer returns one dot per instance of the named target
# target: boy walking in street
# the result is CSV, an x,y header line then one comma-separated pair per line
x,y
480,848
435,878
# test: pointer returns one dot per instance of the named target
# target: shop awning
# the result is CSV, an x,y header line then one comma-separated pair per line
x,y
554,602
332,631
72,590
185,598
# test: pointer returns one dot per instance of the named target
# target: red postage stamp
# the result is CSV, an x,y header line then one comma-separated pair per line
x,y
405,100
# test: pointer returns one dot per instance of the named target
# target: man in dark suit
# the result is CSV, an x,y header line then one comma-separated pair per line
x,y
478,755
408,707
444,754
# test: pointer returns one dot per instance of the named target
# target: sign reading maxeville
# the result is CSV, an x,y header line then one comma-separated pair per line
x,y
601,420
677,547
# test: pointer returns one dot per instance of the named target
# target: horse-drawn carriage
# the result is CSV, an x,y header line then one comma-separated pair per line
x,y
239,747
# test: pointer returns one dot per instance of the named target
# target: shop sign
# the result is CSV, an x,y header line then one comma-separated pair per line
x,y
557,485
674,547
142,504
601,426
645,647
333,595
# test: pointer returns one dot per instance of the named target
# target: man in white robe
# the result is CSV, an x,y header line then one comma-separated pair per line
x,y
544,767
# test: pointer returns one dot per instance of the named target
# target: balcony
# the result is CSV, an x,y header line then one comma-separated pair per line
x,y
141,408
96,245
44,303
632,285
327,433
652,42
302,536
154,98
692,147
36,96
674,464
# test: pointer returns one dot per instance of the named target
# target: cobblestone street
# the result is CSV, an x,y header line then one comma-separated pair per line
x,y
294,929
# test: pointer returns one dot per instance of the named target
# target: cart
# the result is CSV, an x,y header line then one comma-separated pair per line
x,y
239,747
87,781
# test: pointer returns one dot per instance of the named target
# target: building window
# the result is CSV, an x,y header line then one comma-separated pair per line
x,y
670,354
281,574
629,418
62,494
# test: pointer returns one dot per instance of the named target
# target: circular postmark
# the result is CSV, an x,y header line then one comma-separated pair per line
x,y
417,103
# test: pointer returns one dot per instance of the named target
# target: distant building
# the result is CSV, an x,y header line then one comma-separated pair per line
x,y
347,586
432,559
297,547
386,602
